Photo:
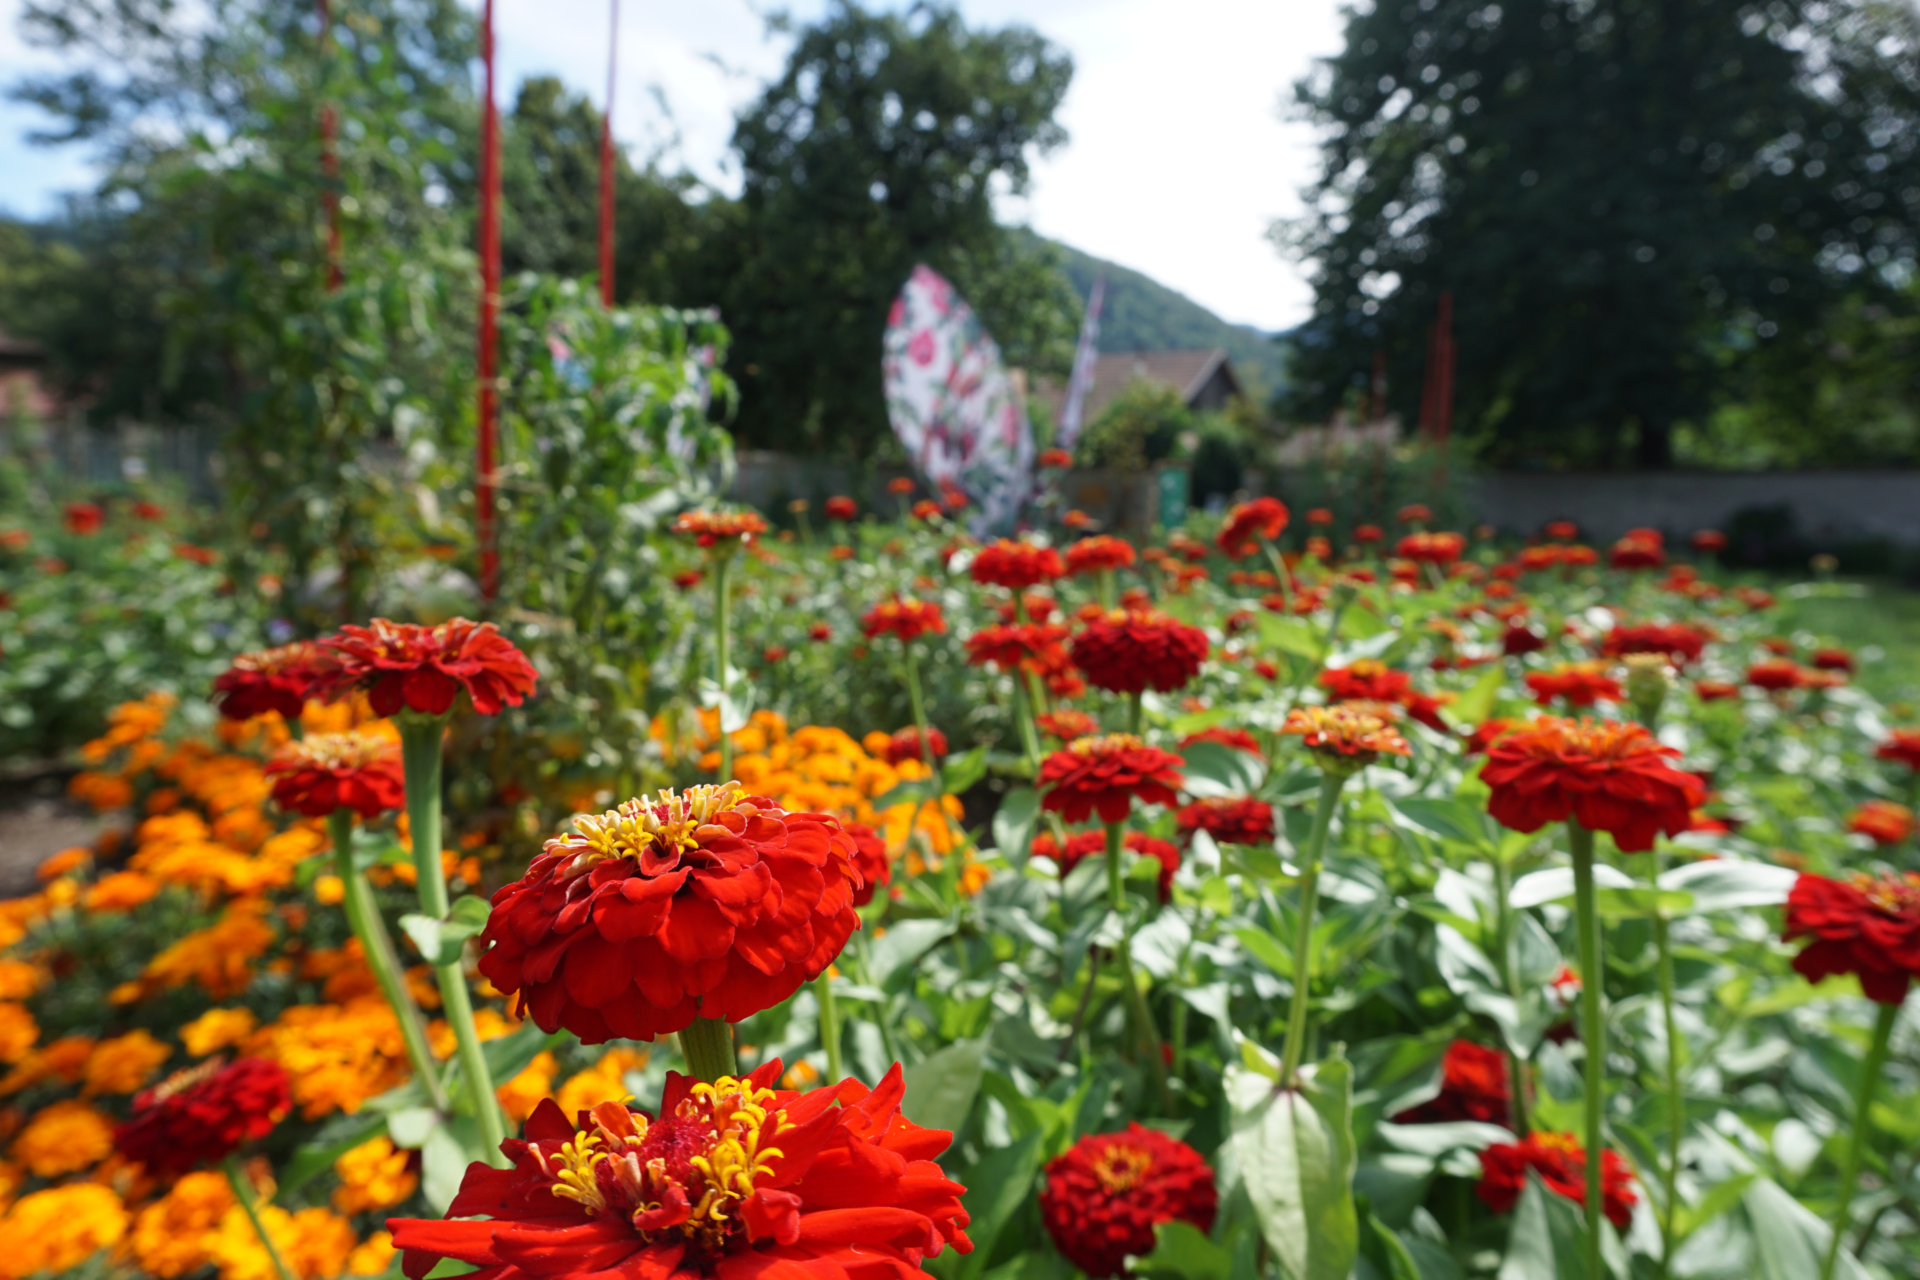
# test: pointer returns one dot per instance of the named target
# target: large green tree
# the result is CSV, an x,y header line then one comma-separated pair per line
x,y
881,145
1627,199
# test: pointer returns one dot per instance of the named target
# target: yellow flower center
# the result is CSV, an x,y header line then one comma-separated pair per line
x,y
336,750
1120,1168
1103,743
672,821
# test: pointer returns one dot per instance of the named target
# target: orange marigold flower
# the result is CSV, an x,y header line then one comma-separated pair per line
x,y
1346,736
1864,926
734,1180
1902,747
1250,523
1473,1086
1561,1162
1015,565
1105,775
216,1029
61,1227
710,903
66,1137
1102,551
1882,821
203,1115
374,1175
124,1063
1108,1192
280,679
1605,775
712,528
1580,683
322,772
120,891
905,617
169,1235
1130,651
404,666
18,1032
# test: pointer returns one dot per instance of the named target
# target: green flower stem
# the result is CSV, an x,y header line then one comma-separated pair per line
x,y
420,753
1857,1140
723,633
829,1025
1107,593
1343,596
1029,734
1516,1068
1295,1050
707,1045
1593,1029
243,1192
363,917
863,954
1676,1100
1133,714
1279,564
919,706
1149,1035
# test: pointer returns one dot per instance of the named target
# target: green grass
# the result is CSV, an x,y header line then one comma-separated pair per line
x,y
1879,621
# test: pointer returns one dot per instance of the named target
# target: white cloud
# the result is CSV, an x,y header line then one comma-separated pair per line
x,y
1179,158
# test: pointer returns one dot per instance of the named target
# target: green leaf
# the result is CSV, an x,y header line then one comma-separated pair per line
x,y
942,1086
1688,1219
1789,1241
1266,949
1722,883
1215,769
1444,819
448,1150
1476,704
1013,824
1182,1252
337,1137
1296,636
441,941
1296,1155
904,943
998,1185
961,772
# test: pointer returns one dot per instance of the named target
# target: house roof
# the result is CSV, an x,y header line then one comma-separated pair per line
x,y
1186,371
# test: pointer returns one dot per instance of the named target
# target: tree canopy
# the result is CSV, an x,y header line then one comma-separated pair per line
x,y
1630,201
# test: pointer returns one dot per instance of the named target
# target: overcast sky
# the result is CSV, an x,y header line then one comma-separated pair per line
x,y
1179,155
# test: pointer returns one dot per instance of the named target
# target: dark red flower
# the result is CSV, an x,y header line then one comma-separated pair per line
x,y
734,1181
1319,516
148,510
1882,821
1833,660
1709,541
709,904
1415,513
279,679
1424,708
1545,556
1066,724
1431,548
1864,926
904,617
1561,1162
1238,739
1016,565
404,666
1776,675
1638,549
199,555
1367,533
1086,844
871,862
713,528
1039,647
1676,640
1108,1192
1484,734
84,518
1091,555
1715,690
203,1114
1057,459
326,771
1105,775
1605,775
1236,820
1902,747
1132,651
1473,1086
1249,524
688,579
1519,639
1366,680
1580,683
820,631
1562,530
840,508
905,744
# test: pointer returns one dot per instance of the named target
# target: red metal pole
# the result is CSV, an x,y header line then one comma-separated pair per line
x,y
329,159
486,534
606,163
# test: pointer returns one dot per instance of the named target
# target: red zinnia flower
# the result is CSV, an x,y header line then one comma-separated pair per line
x,y
900,485
279,679
926,509
1129,652
1519,638
1320,516
1861,926
904,617
1473,1086
820,631
1105,775
1603,774
199,555
1086,844
1776,675
840,508
84,518
1577,556
708,904
1238,820
1534,559
1485,734
148,510
1365,680
688,579
1238,739
326,771
1102,551
1833,660
871,861
1016,565
1076,519
734,1181
1368,533
1067,724
1415,513
1677,640
203,1114
1561,1162
1347,735
1431,548
1715,690
1054,458
1038,647
1882,821
1708,541
1638,549
404,666
1580,683
905,744
1248,524
711,528
1562,530
1108,1192
1902,746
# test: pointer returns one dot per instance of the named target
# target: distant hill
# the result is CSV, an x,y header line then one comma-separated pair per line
x,y
1141,314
